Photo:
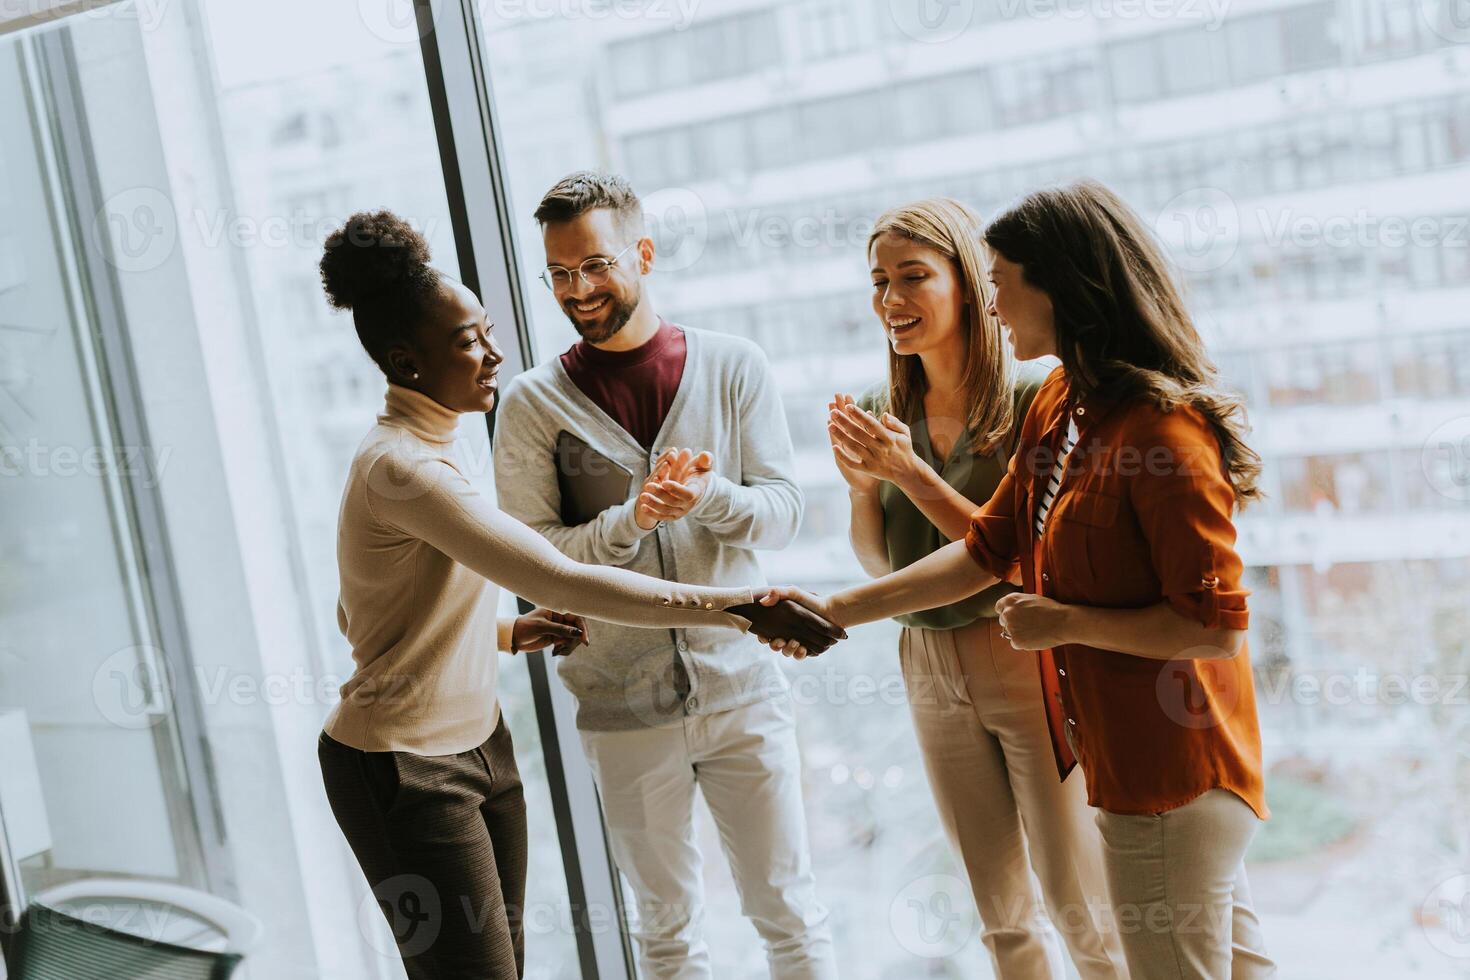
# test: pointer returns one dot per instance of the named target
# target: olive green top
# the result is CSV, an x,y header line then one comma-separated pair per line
x,y
911,536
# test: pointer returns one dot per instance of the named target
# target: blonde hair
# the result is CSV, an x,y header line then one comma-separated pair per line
x,y
953,229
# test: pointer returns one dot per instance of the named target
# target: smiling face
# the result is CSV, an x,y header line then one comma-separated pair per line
x,y
1024,311
917,295
453,353
599,312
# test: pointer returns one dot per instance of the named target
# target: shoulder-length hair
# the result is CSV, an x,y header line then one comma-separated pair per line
x,y
953,229
1122,327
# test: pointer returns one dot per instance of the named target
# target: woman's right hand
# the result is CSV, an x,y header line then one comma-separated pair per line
x,y
823,606
859,481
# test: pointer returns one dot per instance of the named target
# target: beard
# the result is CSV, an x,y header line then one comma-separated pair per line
x,y
619,312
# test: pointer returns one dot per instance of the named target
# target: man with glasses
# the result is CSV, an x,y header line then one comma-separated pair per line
x,y
681,435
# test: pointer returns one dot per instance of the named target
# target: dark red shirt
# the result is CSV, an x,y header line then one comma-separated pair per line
x,y
634,387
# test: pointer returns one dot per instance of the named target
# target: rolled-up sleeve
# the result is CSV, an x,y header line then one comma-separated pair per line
x,y
1185,505
992,540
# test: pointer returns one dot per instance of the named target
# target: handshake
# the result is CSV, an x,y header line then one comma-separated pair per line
x,y
789,620
792,621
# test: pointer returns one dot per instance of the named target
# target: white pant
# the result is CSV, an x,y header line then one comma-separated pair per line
x,y
1179,891
746,763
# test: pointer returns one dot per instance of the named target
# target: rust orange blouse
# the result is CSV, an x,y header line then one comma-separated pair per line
x,y
1142,516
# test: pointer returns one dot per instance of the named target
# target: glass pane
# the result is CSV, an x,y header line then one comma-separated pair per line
x,y
1314,125
91,784
367,142
223,150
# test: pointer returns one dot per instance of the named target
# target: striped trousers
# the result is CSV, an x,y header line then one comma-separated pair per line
x,y
442,842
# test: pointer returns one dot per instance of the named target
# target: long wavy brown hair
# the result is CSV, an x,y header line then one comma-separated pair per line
x,y
1122,327
953,229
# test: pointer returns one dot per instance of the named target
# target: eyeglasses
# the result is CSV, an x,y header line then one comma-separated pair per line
x,y
594,272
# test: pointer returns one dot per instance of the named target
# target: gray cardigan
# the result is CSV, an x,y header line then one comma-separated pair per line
x,y
629,678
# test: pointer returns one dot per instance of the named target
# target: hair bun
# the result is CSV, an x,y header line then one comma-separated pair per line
x,y
373,252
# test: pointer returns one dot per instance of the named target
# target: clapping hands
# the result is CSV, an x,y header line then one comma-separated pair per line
x,y
869,449
677,483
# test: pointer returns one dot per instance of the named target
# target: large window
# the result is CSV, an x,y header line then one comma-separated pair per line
x,y
178,406
1291,143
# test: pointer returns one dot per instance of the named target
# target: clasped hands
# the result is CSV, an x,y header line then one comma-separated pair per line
x,y
677,483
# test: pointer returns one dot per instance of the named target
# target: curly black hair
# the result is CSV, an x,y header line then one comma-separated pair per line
x,y
377,266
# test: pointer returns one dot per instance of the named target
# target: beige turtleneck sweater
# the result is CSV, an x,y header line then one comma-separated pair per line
x,y
420,552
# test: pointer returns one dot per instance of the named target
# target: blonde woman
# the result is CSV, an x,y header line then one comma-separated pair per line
x,y
1118,514
920,453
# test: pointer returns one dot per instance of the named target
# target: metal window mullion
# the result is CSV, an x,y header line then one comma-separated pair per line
x,y
452,45
201,835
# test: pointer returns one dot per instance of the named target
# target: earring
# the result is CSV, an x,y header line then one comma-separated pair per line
x,y
414,376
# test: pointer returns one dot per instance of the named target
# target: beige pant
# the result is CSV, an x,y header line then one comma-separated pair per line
x,y
1180,897
977,708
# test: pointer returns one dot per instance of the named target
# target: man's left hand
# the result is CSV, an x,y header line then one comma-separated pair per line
x,y
677,484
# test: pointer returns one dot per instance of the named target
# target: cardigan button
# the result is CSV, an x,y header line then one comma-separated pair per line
x,y
1072,722
1045,577
1081,410
1062,671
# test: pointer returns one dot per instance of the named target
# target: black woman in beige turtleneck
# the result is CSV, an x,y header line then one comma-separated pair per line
x,y
417,761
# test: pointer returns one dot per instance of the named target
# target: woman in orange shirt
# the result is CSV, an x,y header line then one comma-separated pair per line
x,y
1117,512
